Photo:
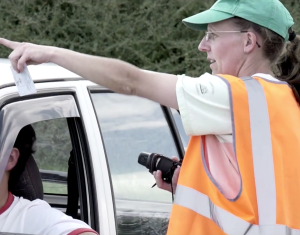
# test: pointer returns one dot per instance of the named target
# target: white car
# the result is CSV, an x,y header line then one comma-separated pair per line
x,y
104,133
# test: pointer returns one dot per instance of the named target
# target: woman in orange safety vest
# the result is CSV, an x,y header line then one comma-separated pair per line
x,y
241,171
246,182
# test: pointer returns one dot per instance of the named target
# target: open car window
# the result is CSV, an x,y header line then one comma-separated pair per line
x,y
53,146
15,115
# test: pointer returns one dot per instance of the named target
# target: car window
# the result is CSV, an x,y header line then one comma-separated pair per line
x,y
17,114
131,125
183,136
61,148
53,146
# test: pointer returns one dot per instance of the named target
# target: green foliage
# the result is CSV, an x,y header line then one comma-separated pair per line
x,y
53,144
147,33
55,188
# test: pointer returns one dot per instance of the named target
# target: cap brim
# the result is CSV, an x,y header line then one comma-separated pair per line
x,y
200,20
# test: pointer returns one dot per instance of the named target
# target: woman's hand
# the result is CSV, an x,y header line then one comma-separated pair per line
x,y
167,186
27,53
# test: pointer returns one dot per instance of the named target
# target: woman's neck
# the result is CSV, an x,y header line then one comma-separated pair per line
x,y
255,65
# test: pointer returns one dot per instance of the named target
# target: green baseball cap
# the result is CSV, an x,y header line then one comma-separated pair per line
x,y
270,14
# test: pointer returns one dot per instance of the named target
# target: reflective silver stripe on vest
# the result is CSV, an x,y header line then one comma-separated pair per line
x,y
229,223
263,172
261,152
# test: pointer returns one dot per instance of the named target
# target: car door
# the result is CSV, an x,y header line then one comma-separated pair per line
x,y
62,105
113,198
130,125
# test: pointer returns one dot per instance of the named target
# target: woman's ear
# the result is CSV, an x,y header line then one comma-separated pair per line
x,y
250,42
13,159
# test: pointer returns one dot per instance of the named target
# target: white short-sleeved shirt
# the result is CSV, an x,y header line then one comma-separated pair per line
x,y
20,215
204,107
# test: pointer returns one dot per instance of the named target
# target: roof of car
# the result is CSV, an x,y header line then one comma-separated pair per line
x,y
42,72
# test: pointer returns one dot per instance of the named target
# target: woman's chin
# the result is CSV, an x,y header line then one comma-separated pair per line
x,y
213,68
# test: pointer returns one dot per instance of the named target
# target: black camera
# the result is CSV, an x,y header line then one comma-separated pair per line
x,y
155,161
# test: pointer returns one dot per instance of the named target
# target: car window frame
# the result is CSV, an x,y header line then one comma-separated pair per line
x,y
167,114
90,215
85,175
171,124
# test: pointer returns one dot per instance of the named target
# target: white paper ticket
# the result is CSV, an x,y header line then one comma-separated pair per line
x,y
23,81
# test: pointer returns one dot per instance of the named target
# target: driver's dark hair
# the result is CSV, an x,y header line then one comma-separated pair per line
x,y
24,143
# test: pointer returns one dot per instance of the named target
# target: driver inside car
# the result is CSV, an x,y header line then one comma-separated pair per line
x,y
19,215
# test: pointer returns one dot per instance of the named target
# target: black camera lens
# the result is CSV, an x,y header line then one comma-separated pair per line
x,y
154,162
143,158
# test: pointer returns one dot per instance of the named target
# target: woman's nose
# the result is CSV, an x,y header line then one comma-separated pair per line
x,y
204,46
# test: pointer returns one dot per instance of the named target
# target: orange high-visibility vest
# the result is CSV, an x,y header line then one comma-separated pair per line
x,y
266,139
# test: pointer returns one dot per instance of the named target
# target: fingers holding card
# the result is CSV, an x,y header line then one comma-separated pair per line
x,y
23,81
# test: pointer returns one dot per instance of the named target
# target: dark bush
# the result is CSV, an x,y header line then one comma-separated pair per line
x,y
147,33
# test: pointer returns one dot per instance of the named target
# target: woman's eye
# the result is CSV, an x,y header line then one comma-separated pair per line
x,y
210,36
